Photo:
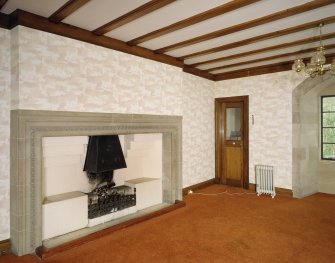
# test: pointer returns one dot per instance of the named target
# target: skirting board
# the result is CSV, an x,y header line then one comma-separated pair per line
x,y
4,247
279,191
252,187
198,186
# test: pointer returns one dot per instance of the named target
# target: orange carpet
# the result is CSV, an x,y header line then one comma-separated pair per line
x,y
219,228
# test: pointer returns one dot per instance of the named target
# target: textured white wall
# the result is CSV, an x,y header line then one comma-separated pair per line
x,y
270,138
198,130
5,102
50,72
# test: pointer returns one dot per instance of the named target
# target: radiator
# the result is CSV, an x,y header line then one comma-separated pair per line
x,y
264,180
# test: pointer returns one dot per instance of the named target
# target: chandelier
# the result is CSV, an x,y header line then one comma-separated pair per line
x,y
317,65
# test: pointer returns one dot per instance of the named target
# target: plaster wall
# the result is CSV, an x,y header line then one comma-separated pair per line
x,y
310,173
42,71
50,72
270,137
308,138
5,104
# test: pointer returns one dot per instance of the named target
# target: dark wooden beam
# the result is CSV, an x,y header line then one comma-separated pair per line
x,y
267,36
220,10
267,49
67,9
132,15
4,21
249,24
269,58
27,19
2,3
260,70
267,69
198,72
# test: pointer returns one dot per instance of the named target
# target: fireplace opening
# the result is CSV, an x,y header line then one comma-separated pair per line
x,y
91,180
104,155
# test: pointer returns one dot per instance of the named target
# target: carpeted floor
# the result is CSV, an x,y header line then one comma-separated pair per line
x,y
219,228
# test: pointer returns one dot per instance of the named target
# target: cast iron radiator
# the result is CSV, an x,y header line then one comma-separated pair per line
x,y
264,180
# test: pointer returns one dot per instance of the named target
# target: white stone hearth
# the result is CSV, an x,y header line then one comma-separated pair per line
x,y
64,213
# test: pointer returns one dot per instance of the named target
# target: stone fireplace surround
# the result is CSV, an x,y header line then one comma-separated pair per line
x,y
28,127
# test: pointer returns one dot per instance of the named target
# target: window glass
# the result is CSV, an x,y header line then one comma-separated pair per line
x,y
233,124
328,127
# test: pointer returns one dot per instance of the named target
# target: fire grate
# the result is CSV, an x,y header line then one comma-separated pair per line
x,y
109,199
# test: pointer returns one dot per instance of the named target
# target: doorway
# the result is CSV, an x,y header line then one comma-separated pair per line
x,y
232,141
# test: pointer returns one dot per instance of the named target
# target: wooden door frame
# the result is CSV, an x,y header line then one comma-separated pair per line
x,y
219,139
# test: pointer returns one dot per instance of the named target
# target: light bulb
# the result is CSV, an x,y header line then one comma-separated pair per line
x,y
298,65
310,69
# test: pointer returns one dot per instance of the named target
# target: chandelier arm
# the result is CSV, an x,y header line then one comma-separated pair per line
x,y
320,26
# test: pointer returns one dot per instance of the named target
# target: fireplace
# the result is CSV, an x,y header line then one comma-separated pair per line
x,y
29,127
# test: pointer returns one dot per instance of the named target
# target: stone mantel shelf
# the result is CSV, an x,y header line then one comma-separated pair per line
x,y
62,197
141,180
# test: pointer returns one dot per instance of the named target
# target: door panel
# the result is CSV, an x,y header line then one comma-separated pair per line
x,y
232,141
234,164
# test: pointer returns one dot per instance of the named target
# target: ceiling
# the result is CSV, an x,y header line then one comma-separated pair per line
x,y
215,39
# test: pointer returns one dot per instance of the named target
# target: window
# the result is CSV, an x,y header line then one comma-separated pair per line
x,y
328,128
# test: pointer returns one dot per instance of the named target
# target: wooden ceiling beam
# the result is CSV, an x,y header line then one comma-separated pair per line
x,y
23,18
2,3
278,67
260,70
67,9
132,15
4,21
249,24
259,38
220,10
269,58
198,72
266,49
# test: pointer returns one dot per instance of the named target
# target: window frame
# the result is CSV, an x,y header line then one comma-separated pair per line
x,y
322,128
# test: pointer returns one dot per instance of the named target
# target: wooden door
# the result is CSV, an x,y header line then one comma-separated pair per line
x,y
232,141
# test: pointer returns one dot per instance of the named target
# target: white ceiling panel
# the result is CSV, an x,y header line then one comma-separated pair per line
x,y
165,16
96,13
266,54
99,12
239,16
39,7
306,17
267,43
269,62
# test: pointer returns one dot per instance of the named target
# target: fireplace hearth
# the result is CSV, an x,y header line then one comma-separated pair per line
x,y
29,127
104,156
